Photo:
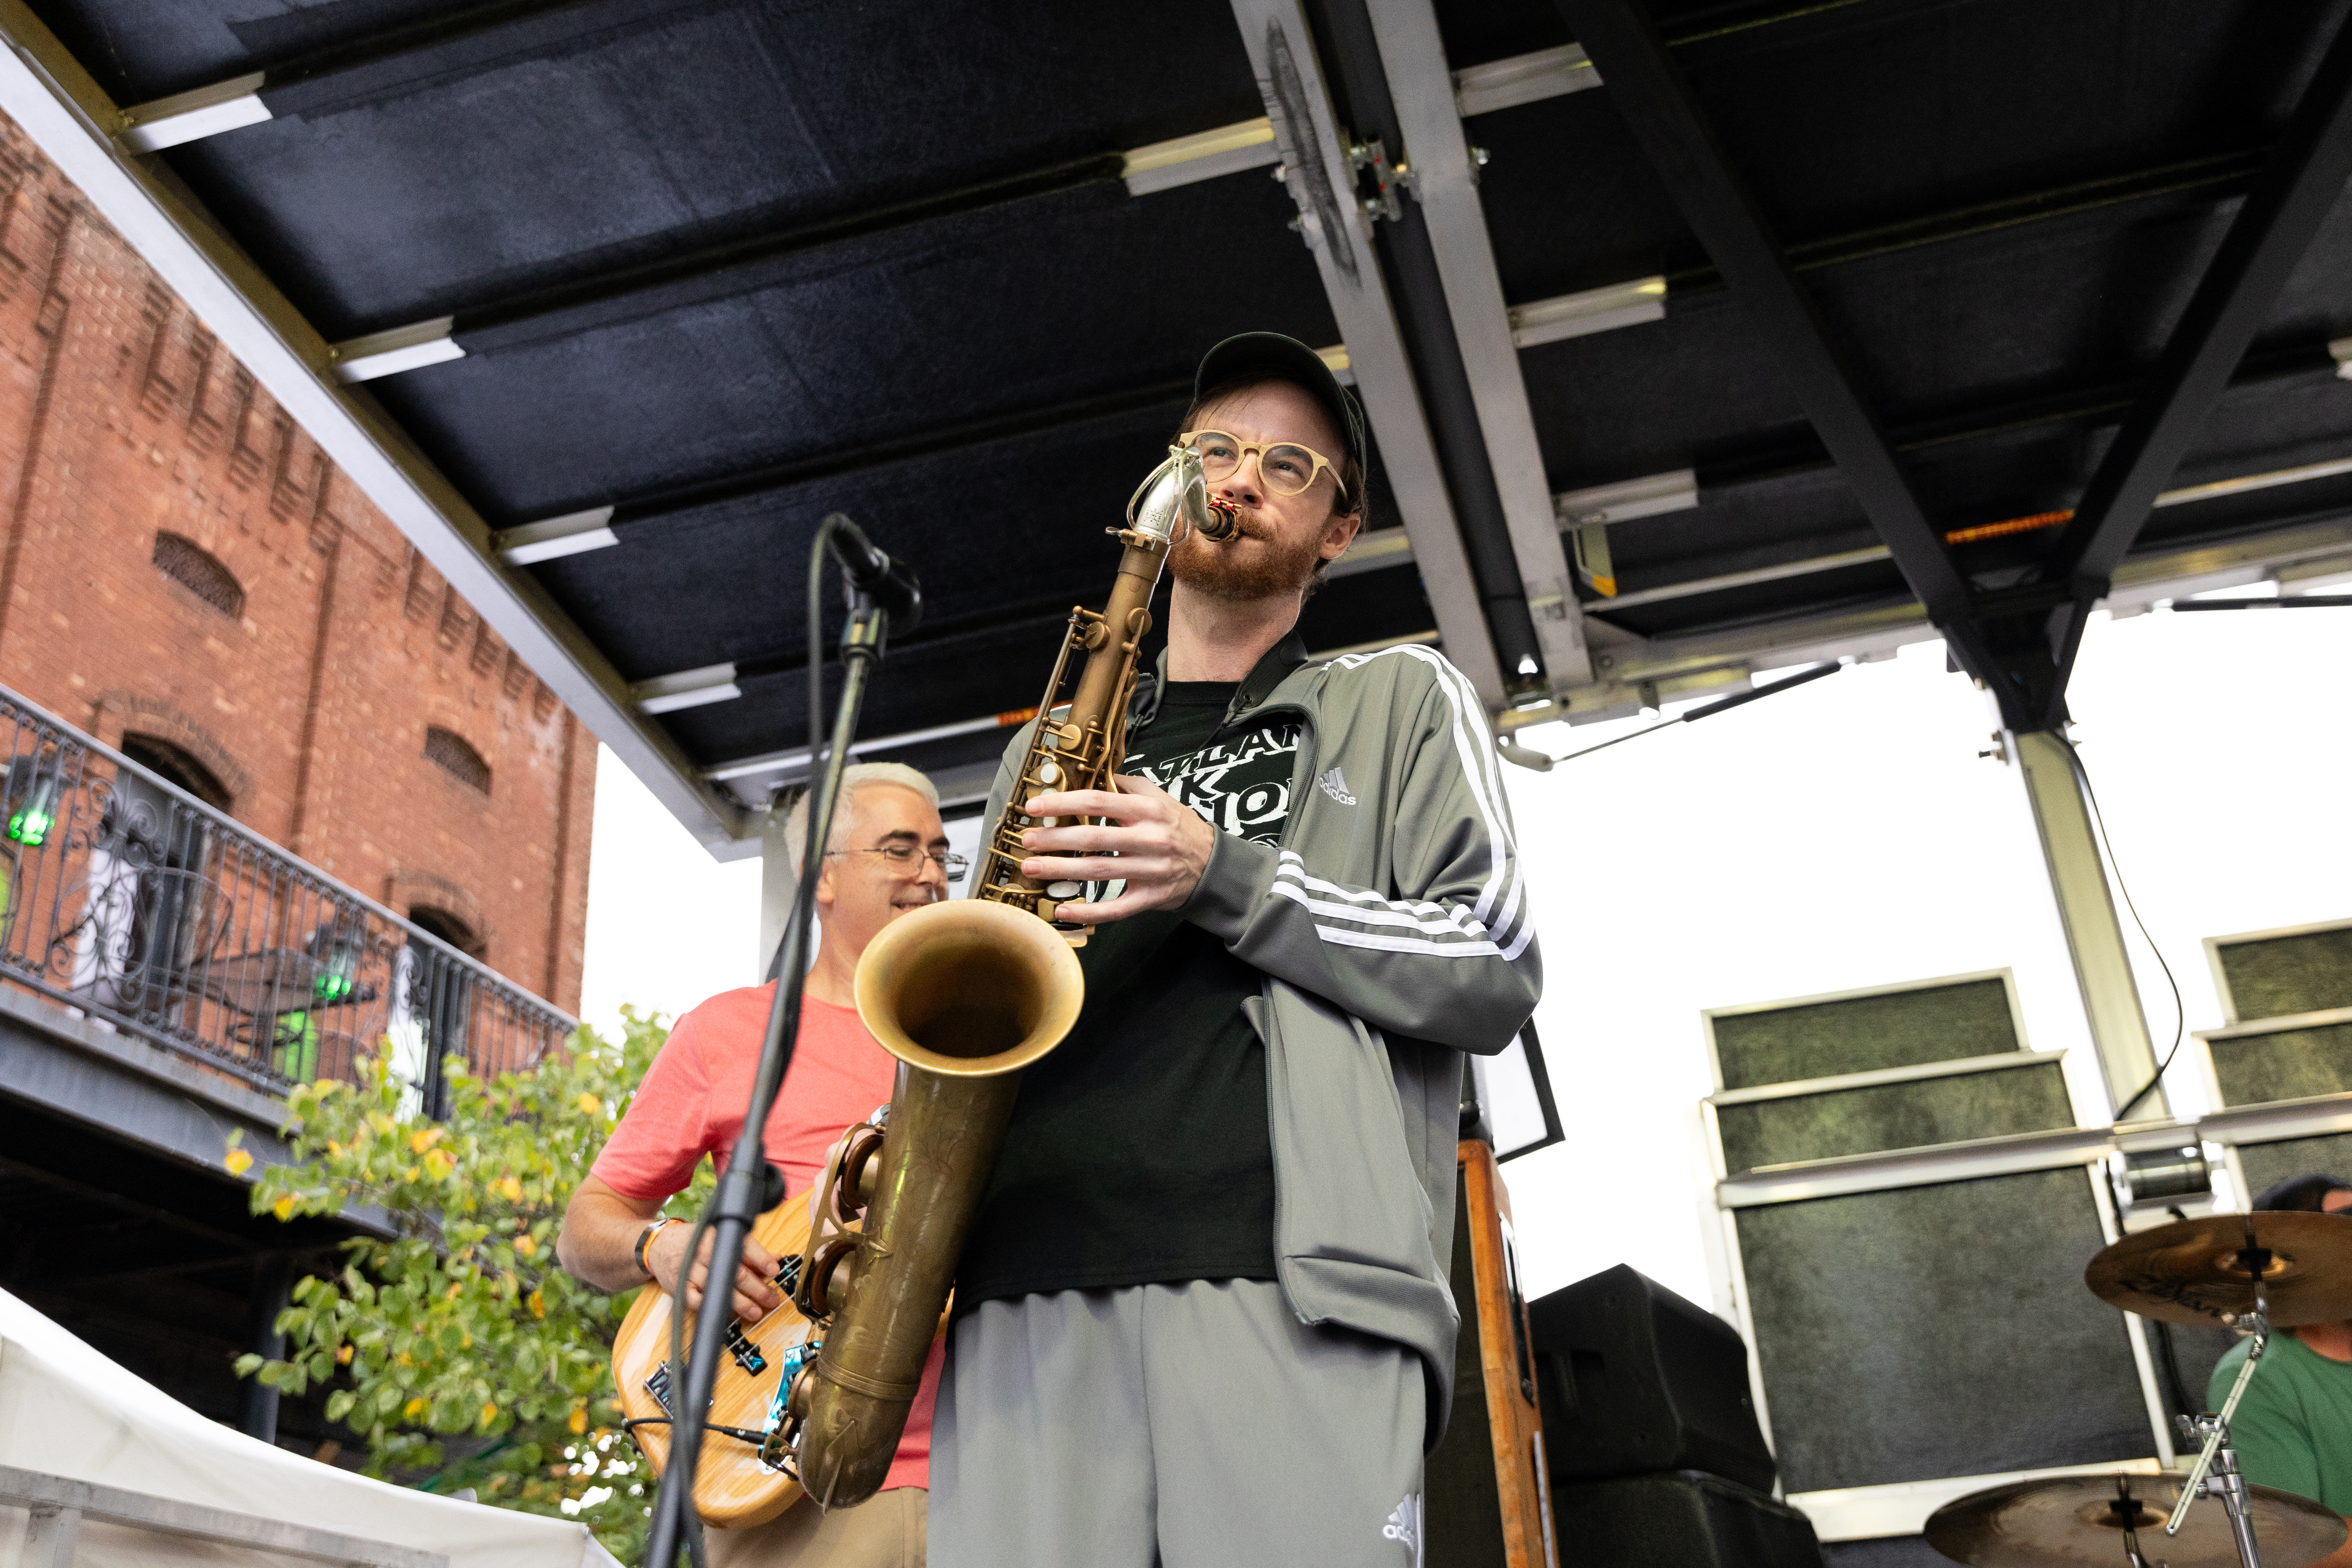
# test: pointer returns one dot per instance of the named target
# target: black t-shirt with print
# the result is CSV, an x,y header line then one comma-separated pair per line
x,y
1139,1152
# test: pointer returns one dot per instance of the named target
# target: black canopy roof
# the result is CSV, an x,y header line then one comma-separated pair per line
x,y
1696,339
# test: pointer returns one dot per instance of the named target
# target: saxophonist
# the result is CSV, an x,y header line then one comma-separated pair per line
x,y
1200,1318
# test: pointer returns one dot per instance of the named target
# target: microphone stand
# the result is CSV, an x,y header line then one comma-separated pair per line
x,y
741,1196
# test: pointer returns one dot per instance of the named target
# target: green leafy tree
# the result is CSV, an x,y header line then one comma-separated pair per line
x,y
457,1348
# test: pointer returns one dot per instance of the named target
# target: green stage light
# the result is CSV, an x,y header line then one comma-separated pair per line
x,y
30,823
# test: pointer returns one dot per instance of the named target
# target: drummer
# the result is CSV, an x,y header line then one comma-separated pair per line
x,y
2294,1428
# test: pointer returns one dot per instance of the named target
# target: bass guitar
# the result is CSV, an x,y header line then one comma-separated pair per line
x,y
744,1476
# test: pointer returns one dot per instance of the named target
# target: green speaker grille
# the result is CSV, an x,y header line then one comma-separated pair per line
x,y
1863,1034
2278,976
2293,1064
1894,1116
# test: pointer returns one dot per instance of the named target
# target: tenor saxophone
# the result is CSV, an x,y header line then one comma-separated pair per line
x,y
965,994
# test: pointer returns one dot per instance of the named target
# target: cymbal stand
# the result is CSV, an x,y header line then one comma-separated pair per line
x,y
2125,1510
2215,1473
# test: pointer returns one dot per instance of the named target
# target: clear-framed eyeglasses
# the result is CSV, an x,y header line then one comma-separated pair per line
x,y
1285,467
905,860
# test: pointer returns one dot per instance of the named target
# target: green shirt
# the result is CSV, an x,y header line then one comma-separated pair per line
x,y
2294,1428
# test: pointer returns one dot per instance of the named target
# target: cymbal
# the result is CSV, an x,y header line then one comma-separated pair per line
x,y
2070,1520
2190,1271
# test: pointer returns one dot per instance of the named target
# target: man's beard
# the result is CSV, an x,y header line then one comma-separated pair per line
x,y
1267,571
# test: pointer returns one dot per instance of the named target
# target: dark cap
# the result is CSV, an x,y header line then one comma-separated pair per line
x,y
1271,356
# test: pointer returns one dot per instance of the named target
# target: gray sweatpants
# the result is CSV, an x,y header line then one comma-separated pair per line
x,y
1197,1425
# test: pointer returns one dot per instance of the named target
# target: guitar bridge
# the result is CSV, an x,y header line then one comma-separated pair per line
x,y
747,1354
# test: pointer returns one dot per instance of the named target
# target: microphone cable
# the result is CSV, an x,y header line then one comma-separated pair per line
x,y
1523,756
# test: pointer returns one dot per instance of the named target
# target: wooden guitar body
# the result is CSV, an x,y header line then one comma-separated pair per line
x,y
733,1488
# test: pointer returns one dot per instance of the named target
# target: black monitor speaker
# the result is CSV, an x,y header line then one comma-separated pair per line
x,y
1635,1380
1681,1518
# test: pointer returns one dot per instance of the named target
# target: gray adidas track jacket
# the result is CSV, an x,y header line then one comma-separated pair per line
x,y
1393,927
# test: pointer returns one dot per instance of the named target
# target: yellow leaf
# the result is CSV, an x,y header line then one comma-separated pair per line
x,y
538,1307
579,1422
344,1356
512,1190
239,1162
414,1409
284,1207
420,1142
489,1413
590,1105
526,1246
439,1163
456,1286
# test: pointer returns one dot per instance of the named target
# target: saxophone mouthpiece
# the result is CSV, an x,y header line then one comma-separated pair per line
x,y
1174,499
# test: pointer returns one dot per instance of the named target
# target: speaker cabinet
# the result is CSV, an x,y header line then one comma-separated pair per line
x,y
1635,1379
2267,1164
1914,1333
1487,1489
2255,1064
2278,974
1685,1519
2027,1095
1892,1026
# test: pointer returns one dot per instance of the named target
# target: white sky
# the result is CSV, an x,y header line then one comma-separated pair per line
x,y
1842,835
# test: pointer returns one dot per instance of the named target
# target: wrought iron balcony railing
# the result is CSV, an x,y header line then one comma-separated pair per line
x,y
129,900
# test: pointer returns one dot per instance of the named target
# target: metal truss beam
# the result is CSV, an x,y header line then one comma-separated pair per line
x,y
1678,666
1404,250
1422,94
2292,197
48,93
1682,148
1322,182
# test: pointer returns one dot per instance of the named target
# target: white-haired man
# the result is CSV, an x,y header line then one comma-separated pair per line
x,y
888,853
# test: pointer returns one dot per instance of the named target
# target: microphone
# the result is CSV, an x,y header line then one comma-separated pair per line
x,y
891,583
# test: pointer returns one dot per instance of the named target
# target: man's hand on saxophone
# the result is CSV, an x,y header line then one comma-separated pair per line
x,y
1158,845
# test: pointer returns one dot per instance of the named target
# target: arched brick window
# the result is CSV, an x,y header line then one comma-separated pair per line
x,y
180,765
447,750
189,567
447,927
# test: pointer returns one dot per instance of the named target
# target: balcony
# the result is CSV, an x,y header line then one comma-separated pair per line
x,y
144,910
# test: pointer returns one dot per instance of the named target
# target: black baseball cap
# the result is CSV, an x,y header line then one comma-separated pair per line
x,y
1287,359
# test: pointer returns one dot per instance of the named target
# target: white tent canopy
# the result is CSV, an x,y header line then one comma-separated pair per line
x,y
68,1411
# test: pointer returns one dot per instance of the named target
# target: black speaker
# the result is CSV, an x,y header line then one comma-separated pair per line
x,y
1683,1517
1635,1379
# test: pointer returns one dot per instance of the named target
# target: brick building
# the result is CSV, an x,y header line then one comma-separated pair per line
x,y
185,575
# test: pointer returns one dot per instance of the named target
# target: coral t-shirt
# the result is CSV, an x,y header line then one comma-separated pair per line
x,y
692,1101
